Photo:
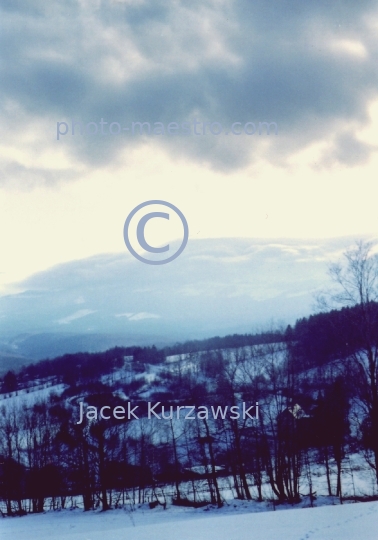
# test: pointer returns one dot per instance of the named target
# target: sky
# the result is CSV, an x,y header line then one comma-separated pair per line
x,y
310,67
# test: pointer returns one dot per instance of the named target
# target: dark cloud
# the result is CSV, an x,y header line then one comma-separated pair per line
x,y
347,149
284,61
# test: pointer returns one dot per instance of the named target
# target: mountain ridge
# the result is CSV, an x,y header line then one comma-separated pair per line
x,y
216,286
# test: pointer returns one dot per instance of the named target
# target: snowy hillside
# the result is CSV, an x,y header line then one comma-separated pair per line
x,y
297,466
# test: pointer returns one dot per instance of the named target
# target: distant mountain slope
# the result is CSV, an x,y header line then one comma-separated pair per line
x,y
217,286
50,345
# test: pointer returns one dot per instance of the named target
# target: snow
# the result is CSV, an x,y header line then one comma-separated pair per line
x,y
346,522
22,397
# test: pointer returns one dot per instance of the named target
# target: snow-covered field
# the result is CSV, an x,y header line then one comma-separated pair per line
x,y
347,522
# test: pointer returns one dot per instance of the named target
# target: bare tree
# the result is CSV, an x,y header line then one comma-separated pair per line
x,y
11,480
356,280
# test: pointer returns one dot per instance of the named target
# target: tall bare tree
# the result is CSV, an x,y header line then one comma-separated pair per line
x,y
356,280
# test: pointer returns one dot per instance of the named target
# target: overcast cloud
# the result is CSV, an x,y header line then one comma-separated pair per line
x,y
308,66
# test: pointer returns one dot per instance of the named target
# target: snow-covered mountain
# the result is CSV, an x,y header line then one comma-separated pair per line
x,y
216,287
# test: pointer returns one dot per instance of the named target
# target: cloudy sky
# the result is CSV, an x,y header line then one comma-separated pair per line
x,y
310,67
